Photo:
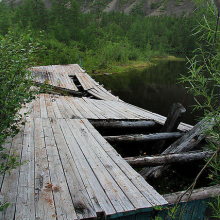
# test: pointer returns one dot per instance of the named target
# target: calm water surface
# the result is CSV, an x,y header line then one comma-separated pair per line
x,y
155,88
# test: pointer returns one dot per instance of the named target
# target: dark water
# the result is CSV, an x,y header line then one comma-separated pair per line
x,y
155,88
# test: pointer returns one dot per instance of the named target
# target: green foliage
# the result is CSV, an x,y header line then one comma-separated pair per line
x,y
204,84
17,53
69,32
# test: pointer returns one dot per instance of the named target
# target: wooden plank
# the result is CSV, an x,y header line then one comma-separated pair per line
x,y
11,180
72,105
105,111
43,108
69,81
84,206
86,107
7,147
122,111
119,200
44,203
65,111
93,186
37,107
83,82
55,107
132,193
25,208
93,108
61,194
50,110
80,108
153,197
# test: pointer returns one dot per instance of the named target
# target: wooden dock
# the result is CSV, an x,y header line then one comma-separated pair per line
x,y
69,170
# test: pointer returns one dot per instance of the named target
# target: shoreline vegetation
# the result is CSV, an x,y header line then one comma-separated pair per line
x,y
139,65
110,42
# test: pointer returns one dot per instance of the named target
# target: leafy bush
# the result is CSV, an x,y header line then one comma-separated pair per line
x,y
16,55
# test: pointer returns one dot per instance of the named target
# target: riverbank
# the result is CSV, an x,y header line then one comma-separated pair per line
x,y
139,65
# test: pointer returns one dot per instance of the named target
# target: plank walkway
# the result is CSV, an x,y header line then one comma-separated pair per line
x,y
69,170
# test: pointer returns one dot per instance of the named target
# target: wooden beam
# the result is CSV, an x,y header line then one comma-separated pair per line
x,y
123,124
197,194
143,138
183,144
138,162
172,122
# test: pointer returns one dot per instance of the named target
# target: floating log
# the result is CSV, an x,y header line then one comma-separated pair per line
x,y
197,194
172,122
138,162
124,124
143,138
183,144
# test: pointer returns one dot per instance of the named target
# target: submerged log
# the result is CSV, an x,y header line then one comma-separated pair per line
x,y
183,144
123,124
143,138
197,194
138,162
172,122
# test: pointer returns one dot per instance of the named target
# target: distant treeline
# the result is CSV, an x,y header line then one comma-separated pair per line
x,y
100,38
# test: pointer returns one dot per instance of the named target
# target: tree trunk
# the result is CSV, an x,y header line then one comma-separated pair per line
x,y
138,162
123,124
173,120
197,194
143,138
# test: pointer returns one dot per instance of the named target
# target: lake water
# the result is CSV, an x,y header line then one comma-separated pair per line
x,y
155,88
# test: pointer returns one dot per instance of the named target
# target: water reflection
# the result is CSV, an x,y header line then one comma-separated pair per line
x,y
154,88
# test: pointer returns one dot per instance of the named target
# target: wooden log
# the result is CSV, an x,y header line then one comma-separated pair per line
x,y
197,194
172,122
142,137
138,162
183,144
123,124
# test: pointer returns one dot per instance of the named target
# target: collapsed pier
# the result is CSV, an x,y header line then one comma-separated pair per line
x,y
69,170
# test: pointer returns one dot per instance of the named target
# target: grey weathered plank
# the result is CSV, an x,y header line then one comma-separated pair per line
x,y
153,197
119,200
7,147
133,194
64,109
50,110
70,101
93,187
44,203
87,108
25,197
56,109
61,194
93,108
81,200
37,107
81,108
10,182
43,108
